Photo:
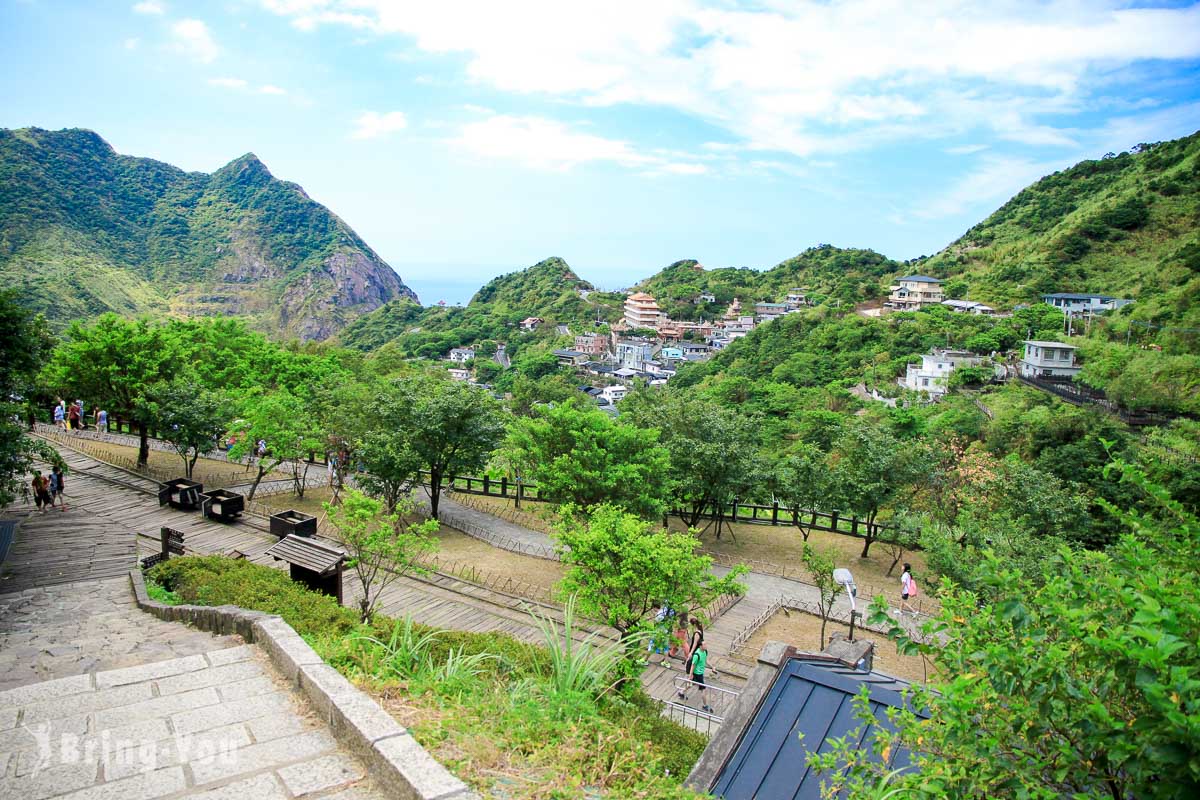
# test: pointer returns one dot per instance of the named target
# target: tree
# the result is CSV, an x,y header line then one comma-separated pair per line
x,y
190,418
346,412
579,455
24,343
820,564
801,481
115,362
1081,682
390,466
713,452
621,567
451,426
381,546
873,469
281,420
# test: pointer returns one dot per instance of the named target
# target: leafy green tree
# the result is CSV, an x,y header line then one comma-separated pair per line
x,y
800,481
581,456
872,469
713,451
115,362
190,418
24,343
381,547
345,413
621,567
451,426
391,467
1079,682
282,421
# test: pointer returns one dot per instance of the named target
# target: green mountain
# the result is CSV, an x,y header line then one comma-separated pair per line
x,y
825,272
84,230
1126,225
548,289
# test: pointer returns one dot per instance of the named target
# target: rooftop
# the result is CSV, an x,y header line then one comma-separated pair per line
x,y
920,279
1049,344
1073,296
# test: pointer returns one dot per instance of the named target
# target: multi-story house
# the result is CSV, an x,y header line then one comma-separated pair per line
x,y
633,353
1048,360
932,374
461,355
594,344
913,292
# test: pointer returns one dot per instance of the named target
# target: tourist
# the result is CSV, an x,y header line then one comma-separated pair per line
x,y
41,491
679,640
697,665
73,417
82,416
101,420
58,488
696,641
59,415
908,590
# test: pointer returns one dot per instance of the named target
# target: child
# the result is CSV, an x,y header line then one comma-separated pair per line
x,y
697,665
908,590
41,491
58,489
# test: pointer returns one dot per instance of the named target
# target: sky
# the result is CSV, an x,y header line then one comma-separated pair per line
x,y
463,140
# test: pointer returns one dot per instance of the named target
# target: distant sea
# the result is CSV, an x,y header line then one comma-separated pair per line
x,y
454,283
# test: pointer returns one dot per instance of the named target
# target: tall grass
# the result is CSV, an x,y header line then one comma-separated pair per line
x,y
587,668
406,653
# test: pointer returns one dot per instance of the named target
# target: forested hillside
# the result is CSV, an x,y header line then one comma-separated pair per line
x,y
1126,225
84,230
548,289
826,272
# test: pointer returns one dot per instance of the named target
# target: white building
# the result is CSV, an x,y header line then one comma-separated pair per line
x,y
641,311
460,355
459,374
1048,360
612,394
969,307
1084,303
634,352
933,373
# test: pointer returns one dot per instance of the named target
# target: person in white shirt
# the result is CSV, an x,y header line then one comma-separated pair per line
x,y
908,590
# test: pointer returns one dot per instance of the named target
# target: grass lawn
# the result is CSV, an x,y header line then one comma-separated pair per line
x,y
207,471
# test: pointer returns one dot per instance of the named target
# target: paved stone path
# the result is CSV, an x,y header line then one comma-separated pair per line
x,y
78,628
220,725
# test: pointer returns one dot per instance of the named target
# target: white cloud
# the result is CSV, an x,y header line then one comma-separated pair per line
x,y
228,83
132,43
372,124
192,38
806,76
149,7
548,144
267,88
994,181
966,149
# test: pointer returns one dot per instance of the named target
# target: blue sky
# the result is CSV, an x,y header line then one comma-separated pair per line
x,y
466,139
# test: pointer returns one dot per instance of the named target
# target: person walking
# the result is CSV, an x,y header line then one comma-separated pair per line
x,y
41,491
82,415
908,590
73,417
58,489
101,420
697,667
59,418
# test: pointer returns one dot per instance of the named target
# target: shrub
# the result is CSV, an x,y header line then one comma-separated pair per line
x,y
216,580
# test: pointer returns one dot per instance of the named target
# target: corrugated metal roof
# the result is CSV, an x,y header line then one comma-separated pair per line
x,y
810,702
304,552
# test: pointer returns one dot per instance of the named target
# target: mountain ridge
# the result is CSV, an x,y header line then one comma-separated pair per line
x,y
76,217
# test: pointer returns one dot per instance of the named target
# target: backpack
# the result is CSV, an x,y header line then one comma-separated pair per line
x,y
912,586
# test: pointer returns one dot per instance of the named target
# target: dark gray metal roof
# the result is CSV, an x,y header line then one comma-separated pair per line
x,y
920,279
813,696
304,552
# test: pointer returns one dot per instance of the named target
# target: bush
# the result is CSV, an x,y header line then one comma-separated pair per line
x,y
216,581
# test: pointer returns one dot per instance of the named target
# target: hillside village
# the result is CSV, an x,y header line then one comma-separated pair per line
x,y
646,347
